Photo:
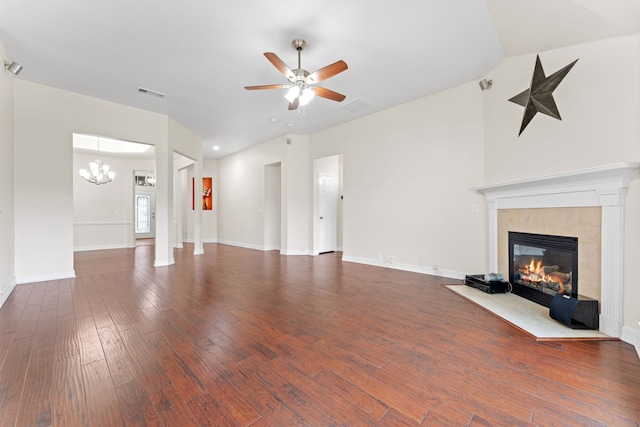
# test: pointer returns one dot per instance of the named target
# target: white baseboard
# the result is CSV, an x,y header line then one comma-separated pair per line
x,y
451,274
102,247
45,277
164,262
7,291
241,245
295,253
203,241
263,248
631,336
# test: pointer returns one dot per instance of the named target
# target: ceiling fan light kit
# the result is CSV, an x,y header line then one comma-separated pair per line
x,y
301,89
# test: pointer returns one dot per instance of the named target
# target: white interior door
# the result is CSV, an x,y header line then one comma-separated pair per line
x,y
145,214
327,201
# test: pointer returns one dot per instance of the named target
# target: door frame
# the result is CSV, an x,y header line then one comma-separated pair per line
x,y
336,169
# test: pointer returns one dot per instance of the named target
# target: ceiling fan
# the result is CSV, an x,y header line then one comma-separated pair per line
x,y
301,82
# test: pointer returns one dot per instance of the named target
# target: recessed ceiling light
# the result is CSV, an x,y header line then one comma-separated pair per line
x,y
290,125
216,148
273,119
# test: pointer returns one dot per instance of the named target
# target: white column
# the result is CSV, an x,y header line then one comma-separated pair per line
x,y
164,206
198,248
612,265
492,214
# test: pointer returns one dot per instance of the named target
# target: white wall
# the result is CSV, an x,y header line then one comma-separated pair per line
x,y
45,119
599,101
408,174
7,218
241,195
297,197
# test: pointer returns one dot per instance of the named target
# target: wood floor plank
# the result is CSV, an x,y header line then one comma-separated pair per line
x,y
120,365
29,321
46,329
69,401
37,410
332,403
163,396
67,343
209,412
352,394
136,407
208,365
309,410
181,375
89,343
244,376
12,377
10,315
102,403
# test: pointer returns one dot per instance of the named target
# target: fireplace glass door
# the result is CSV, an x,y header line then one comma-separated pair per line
x,y
543,263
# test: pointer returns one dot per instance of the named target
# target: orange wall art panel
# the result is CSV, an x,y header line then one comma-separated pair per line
x,y
207,194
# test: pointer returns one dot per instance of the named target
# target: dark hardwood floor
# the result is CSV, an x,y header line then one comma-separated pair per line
x,y
243,337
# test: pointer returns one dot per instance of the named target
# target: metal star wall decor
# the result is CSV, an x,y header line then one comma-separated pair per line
x,y
539,97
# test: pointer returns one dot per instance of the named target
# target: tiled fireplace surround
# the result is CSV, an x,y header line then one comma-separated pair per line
x,y
588,204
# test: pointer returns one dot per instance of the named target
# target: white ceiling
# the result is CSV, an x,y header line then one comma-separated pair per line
x,y
202,53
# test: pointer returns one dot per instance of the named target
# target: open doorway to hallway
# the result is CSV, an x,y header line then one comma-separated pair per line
x,y
103,214
273,207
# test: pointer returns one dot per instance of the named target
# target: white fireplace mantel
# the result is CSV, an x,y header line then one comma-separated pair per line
x,y
604,186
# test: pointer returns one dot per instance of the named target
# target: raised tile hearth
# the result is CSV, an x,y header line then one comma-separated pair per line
x,y
525,315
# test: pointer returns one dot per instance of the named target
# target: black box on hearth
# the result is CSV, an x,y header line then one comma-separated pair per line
x,y
490,287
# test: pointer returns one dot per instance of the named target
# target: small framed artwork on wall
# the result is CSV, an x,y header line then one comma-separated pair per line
x,y
207,194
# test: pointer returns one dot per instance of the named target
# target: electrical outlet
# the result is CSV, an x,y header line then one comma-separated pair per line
x,y
475,208
392,259
435,265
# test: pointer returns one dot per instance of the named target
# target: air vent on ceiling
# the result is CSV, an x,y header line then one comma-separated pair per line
x,y
151,92
356,105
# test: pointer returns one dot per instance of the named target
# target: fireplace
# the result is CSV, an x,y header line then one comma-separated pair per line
x,y
604,187
541,266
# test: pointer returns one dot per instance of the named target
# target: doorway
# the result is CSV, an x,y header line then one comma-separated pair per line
x,y
328,204
273,207
327,218
144,208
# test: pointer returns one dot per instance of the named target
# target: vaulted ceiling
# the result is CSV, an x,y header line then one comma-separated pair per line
x,y
201,54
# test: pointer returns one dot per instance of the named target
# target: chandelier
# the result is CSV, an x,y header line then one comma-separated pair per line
x,y
98,172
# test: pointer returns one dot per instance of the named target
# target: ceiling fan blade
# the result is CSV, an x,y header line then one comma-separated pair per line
x,y
280,65
262,87
294,105
326,72
329,94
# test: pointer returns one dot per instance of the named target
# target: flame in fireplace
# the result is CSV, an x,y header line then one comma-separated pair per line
x,y
535,272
